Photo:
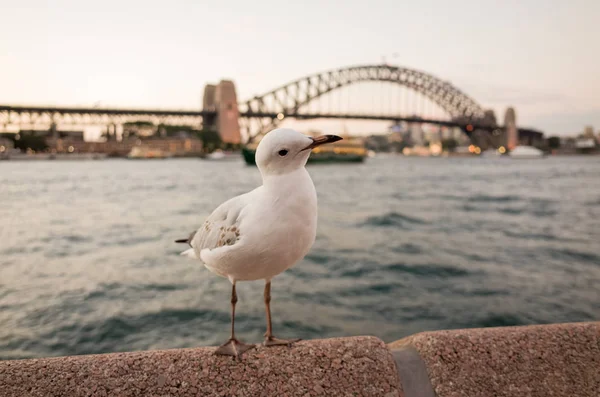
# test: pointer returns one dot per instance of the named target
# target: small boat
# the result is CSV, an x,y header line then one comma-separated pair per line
x,y
526,152
143,152
416,151
348,150
219,155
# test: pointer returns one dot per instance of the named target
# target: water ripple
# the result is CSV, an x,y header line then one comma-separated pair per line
x,y
484,198
393,219
428,270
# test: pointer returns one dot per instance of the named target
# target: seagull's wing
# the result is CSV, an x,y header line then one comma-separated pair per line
x,y
221,228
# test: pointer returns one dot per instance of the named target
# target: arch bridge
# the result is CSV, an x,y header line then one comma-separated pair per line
x,y
369,92
419,97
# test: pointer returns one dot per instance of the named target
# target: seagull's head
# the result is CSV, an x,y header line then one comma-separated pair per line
x,y
284,150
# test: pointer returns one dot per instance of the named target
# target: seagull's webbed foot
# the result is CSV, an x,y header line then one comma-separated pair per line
x,y
272,341
233,347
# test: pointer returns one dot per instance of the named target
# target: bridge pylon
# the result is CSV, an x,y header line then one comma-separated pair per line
x,y
222,99
209,122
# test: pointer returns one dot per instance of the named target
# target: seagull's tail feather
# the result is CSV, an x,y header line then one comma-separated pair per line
x,y
187,240
190,253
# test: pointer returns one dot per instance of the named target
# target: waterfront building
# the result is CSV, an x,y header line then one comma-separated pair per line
x,y
6,145
588,132
138,129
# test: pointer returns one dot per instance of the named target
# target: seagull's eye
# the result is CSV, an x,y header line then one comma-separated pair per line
x,y
283,152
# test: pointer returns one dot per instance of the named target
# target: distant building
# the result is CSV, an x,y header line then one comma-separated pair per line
x,y
37,133
378,143
7,135
588,132
138,129
531,138
489,117
567,144
460,136
72,135
399,134
52,132
6,145
173,146
398,128
417,134
428,135
447,133
481,139
434,134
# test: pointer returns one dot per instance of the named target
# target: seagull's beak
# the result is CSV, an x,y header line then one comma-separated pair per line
x,y
320,140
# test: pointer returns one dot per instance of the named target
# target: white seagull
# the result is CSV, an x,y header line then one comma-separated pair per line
x,y
264,232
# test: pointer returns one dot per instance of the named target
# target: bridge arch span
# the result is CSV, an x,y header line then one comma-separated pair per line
x,y
289,98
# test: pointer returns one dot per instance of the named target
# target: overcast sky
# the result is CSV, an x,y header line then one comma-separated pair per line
x,y
542,57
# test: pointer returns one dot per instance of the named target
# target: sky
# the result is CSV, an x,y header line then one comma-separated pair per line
x,y
540,56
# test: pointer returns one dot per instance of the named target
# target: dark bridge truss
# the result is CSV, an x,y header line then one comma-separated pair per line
x,y
42,117
37,115
288,100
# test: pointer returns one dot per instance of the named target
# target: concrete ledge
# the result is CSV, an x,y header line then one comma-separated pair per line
x,y
359,366
543,360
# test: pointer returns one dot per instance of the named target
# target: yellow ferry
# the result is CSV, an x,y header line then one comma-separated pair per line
x,y
351,150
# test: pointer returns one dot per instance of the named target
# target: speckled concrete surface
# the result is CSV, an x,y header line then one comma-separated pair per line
x,y
357,366
548,360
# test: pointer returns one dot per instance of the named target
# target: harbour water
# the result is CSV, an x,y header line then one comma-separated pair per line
x,y
88,263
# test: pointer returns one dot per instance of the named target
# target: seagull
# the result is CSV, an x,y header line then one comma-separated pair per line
x,y
262,233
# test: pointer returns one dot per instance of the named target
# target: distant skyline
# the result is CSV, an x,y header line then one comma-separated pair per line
x,y
541,57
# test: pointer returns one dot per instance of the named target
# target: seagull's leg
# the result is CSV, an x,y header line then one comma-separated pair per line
x,y
270,340
233,347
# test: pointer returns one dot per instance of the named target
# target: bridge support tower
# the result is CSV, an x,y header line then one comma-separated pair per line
x,y
222,98
510,124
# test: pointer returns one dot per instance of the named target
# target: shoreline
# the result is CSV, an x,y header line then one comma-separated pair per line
x,y
104,156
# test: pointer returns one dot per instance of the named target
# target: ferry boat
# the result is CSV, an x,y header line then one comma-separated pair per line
x,y
526,152
348,150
